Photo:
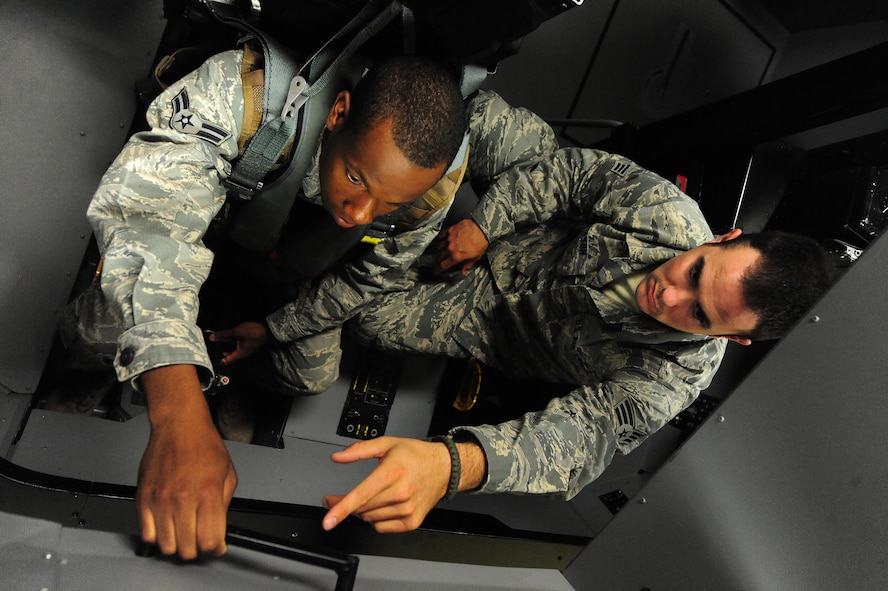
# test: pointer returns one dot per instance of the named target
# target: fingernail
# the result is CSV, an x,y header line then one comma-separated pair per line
x,y
329,523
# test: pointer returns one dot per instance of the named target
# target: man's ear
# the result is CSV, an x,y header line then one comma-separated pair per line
x,y
742,340
727,236
338,114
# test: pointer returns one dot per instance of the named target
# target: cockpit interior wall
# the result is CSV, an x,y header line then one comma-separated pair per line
x,y
67,105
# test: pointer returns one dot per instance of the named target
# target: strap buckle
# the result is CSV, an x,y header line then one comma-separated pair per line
x,y
241,191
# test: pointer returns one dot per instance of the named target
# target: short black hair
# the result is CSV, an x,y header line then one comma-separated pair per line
x,y
791,275
421,98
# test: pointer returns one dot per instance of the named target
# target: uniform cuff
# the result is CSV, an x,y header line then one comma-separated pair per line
x,y
157,344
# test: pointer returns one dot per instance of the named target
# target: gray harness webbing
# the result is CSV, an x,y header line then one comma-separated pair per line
x,y
296,98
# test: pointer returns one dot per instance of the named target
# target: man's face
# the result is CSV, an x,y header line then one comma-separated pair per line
x,y
700,291
363,178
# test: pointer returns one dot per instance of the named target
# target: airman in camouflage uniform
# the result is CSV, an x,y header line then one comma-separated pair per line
x,y
151,211
150,215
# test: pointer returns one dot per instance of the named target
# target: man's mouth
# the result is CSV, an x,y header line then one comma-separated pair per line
x,y
340,220
652,298
343,223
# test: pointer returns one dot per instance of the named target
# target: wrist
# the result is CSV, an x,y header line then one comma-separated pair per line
x,y
173,392
455,465
468,465
473,464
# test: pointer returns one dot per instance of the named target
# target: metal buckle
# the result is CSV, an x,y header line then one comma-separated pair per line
x,y
243,192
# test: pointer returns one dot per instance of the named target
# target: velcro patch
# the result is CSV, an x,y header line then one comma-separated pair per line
x,y
187,121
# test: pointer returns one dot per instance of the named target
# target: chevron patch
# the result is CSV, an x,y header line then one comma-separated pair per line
x,y
187,121
621,168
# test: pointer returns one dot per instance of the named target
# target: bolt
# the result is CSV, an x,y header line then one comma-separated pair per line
x,y
82,133
642,501
815,318
721,418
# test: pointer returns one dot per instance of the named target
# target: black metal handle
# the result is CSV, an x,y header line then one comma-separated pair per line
x,y
345,565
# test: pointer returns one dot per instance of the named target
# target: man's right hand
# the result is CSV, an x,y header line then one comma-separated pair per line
x,y
462,244
186,478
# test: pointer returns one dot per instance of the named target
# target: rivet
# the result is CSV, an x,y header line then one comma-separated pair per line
x,y
815,318
642,501
721,418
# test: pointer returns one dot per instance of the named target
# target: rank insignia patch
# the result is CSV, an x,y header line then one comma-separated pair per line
x,y
187,121
621,168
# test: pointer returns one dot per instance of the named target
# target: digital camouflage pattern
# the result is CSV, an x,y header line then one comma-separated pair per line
x,y
150,214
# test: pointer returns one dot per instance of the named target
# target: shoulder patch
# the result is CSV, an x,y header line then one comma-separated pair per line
x,y
621,168
187,121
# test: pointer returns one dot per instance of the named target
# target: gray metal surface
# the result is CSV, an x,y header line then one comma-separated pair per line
x,y
36,554
317,417
784,487
66,103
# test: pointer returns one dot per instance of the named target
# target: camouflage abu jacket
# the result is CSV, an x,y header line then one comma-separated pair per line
x,y
152,209
560,231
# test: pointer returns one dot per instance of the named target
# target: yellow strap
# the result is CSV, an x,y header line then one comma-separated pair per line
x,y
435,198
253,78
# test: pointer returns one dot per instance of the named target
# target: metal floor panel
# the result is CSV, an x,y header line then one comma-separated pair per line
x,y
37,554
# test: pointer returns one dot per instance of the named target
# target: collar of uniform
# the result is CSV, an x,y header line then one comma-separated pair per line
x,y
637,327
311,183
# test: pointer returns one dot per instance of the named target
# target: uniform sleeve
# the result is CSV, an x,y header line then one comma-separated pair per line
x,y
336,297
503,137
152,208
564,447
582,185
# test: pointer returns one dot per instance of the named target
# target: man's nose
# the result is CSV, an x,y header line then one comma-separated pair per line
x,y
675,296
360,210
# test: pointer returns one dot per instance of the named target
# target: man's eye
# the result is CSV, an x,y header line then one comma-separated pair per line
x,y
701,317
352,178
695,275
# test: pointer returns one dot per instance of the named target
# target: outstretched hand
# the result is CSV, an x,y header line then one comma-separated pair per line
x,y
463,243
412,476
248,337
